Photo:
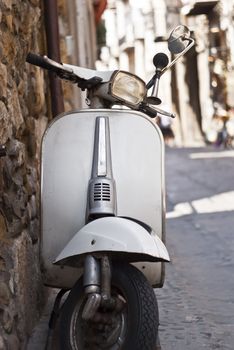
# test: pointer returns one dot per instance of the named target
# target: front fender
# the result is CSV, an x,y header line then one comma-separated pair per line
x,y
116,236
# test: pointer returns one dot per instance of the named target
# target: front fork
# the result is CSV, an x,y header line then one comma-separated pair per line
x,y
97,285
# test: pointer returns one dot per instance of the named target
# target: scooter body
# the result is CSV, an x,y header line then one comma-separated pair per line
x,y
136,231
103,207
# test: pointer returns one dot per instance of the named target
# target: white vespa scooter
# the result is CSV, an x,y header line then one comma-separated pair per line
x,y
103,207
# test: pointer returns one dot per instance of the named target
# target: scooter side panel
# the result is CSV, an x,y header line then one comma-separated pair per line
x,y
137,161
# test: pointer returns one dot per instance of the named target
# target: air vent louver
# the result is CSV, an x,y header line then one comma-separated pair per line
x,y
102,192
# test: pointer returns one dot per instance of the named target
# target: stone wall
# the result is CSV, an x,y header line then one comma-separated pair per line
x,y
22,122
23,119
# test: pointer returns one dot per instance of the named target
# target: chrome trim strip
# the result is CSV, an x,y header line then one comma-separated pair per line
x,y
102,161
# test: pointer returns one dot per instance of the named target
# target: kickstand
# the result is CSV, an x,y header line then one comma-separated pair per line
x,y
53,318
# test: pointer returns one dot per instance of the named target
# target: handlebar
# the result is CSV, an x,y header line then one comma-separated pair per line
x,y
61,71
67,73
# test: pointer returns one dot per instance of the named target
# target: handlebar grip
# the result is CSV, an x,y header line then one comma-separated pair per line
x,y
37,60
53,66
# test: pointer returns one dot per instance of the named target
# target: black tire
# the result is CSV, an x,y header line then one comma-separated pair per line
x,y
135,326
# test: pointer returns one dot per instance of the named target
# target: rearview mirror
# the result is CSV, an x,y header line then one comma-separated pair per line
x,y
179,39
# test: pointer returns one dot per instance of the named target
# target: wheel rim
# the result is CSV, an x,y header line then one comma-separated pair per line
x,y
108,332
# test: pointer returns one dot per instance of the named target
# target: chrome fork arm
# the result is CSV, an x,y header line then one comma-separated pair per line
x,y
97,285
92,284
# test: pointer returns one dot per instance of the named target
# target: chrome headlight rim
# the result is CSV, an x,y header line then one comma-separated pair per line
x,y
122,99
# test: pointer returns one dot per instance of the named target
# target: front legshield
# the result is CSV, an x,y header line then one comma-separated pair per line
x,y
120,238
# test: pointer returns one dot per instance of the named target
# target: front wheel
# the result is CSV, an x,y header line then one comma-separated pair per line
x,y
133,326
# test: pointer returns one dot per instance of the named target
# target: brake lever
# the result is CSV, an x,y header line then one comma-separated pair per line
x,y
167,114
152,112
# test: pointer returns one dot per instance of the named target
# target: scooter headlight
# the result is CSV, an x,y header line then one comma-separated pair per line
x,y
128,88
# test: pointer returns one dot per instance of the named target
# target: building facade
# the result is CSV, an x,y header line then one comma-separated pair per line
x,y
212,22
201,84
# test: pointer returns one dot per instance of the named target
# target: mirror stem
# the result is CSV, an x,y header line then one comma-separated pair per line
x,y
156,86
150,83
153,99
192,42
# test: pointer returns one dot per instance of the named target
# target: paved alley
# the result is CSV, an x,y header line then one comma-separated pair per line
x,y
197,302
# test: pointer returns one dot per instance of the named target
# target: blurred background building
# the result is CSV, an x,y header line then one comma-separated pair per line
x,y
200,87
213,26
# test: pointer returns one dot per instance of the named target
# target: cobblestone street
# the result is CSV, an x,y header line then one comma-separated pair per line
x,y
197,302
